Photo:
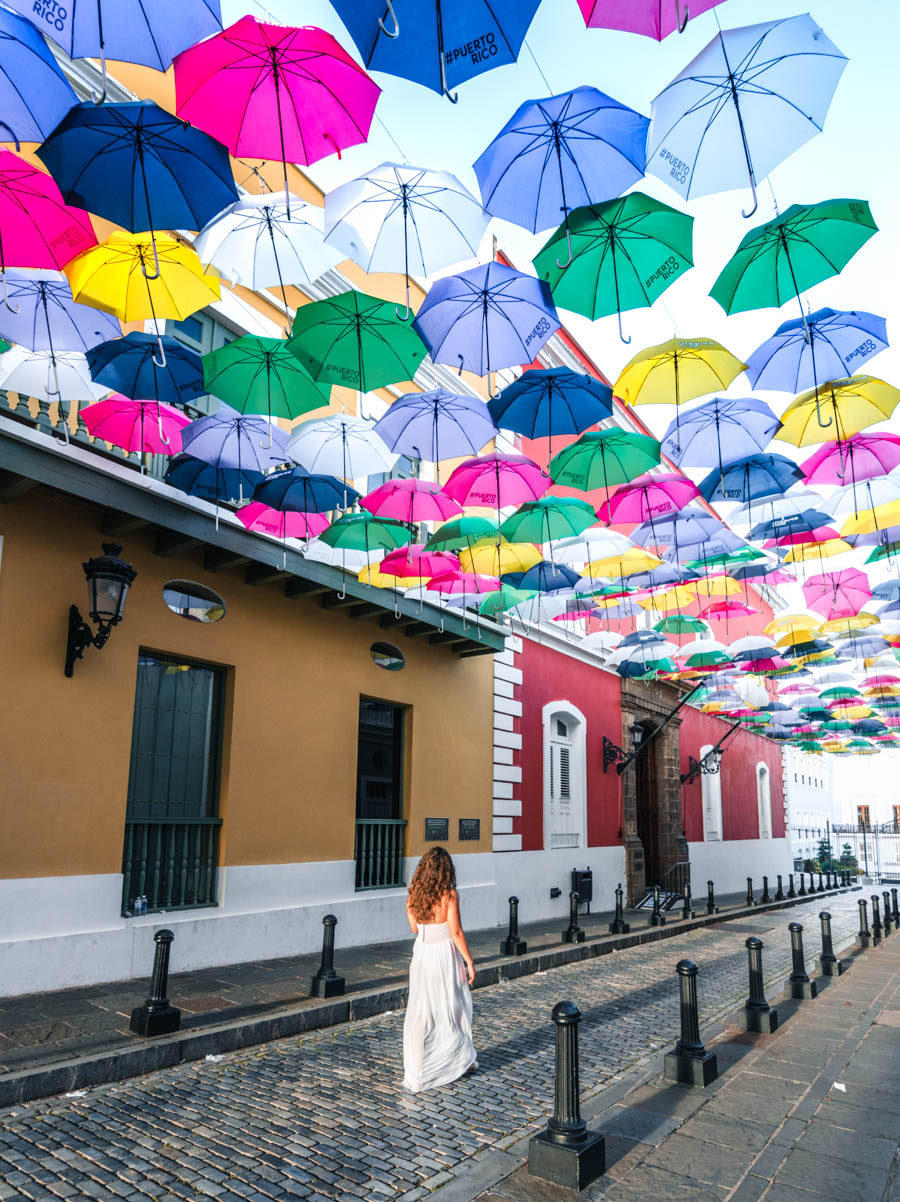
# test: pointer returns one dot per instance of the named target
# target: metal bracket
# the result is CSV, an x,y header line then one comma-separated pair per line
x,y
611,752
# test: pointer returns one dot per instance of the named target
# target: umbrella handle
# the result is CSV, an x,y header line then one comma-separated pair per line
x,y
162,434
12,135
161,361
460,358
395,33
267,446
453,97
621,335
331,139
103,94
562,266
823,425
755,199
12,308
404,316
147,274
682,23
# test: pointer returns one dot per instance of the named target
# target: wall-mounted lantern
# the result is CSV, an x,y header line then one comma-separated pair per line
x,y
108,580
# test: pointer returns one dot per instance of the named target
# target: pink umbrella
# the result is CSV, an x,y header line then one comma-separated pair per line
x,y
497,480
820,535
415,561
874,682
453,583
652,18
860,457
410,501
287,524
136,425
276,92
727,609
647,497
837,594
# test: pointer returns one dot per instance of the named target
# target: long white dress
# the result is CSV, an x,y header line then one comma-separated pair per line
x,y
437,1030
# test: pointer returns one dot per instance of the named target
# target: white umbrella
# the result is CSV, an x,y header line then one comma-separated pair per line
x,y
49,375
601,641
341,445
597,542
401,218
751,642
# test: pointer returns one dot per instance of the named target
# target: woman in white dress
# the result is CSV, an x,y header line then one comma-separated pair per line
x,y
437,1030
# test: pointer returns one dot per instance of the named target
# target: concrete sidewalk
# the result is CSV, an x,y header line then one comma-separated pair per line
x,y
809,1114
54,1042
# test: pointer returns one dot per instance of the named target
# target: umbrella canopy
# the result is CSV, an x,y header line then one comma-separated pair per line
x,y
625,253
823,346
304,492
837,594
860,457
747,101
543,577
648,497
210,481
749,478
37,229
548,518
281,523
367,533
227,439
460,533
486,319
136,425
557,154
127,365
355,340
651,18
719,431
49,375
434,44
436,425
601,458
677,371
410,501
43,316
492,558
497,480
34,93
260,375
552,400
851,404
341,445
801,247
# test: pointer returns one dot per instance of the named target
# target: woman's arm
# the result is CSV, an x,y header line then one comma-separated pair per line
x,y
458,935
411,918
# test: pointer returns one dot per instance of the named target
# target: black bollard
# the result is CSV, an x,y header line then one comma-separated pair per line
x,y
512,944
326,982
821,888
765,893
567,1153
687,905
792,892
156,1016
812,883
657,918
757,1014
573,932
690,1063
886,921
828,884
801,892
877,929
864,938
828,964
799,985
711,907
619,926
894,909
779,892
751,900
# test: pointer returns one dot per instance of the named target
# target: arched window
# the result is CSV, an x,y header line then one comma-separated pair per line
x,y
711,793
565,776
764,801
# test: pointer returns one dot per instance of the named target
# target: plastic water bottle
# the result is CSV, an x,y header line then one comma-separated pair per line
x,y
143,903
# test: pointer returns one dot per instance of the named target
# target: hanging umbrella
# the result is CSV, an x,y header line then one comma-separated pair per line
x,y
341,445
677,371
689,528
355,340
548,518
823,346
461,533
601,458
260,375
543,577
440,43
398,217
304,492
596,542
210,481
417,560
651,18
718,432
143,426
139,167
496,480
281,524
436,425
275,92
750,478
557,154
127,365
648,497
228,439
34,93
364,532
410,501
43,316
488,557
746,102
148,32
852,404
261,241
553,400
486,319
49,375
626,252
859,457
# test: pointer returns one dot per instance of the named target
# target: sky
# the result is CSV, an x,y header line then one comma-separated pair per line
x,y
855,157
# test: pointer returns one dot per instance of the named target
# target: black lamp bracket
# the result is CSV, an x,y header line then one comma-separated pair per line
x,y
81,636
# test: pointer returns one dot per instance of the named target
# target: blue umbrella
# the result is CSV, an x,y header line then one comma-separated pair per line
x,y
790,523
486,319
720,544
544,577
437,44
887,590
149,32
751,571
127,365
689,528
551,400
751,477
43,316
301,491
718,432
231,440
557,154
436,425
827,345
198,478
139,166
34,93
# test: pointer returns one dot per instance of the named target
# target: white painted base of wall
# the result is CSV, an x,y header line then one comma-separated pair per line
x,y
530,875
728,864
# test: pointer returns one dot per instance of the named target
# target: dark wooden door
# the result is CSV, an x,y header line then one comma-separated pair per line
x,y
646,797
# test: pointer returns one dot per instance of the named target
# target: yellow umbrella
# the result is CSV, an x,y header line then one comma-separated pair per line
x,y
490,559
851,404
714,586
635,559
676,371
867,521
666,600
793,621
857,622
119,277
800,552
801,634
372,574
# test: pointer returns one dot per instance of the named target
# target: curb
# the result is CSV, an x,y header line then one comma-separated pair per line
x,y
101,1068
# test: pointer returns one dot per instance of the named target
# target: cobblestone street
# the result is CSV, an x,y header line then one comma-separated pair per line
x,y
322,1116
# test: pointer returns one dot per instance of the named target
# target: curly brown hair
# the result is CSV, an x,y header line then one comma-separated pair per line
x,y
432,881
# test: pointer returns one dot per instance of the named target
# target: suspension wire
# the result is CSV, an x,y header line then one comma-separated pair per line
x,y
538,65
400,149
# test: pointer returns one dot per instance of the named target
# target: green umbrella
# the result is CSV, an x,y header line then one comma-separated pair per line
x,y
260,375
601,458
548,518
364,532
356,340
504,598
681,624
887,551
625,253
459,534
801,247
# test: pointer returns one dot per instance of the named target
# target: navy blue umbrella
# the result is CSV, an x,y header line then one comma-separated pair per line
x,y
303,492
551,400
790,523
139,166
749,478
127,365
544,577
437,43
198,478
34,93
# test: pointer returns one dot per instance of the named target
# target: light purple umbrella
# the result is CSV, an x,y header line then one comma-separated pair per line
x,y
436,425
719,431
42,314
228,439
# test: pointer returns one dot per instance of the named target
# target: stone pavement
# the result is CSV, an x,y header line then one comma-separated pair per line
x,y
52,1042
809,1114
323,1116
